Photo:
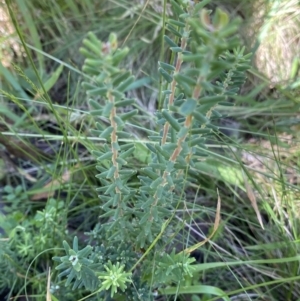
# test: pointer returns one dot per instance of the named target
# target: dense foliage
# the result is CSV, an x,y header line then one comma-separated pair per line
x,y
136,162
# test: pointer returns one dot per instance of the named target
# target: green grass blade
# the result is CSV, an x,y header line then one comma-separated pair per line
x,y
30,24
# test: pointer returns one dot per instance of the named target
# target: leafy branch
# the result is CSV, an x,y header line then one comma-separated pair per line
x,y
207,70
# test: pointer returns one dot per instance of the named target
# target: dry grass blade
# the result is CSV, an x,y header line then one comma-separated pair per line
x,y
253,201
137,20
49,189
216,225
48,296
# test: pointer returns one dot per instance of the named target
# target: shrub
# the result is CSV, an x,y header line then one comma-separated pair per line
x,y
126,254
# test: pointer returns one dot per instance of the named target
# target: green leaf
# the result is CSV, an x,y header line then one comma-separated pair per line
x,y
90,70
111,172
116,199
107,108
71,276
115,146
105,156
165,75
212,100
226,104
93,38
176,23
119,121
128,115
124,135
164,153
120,77
119,55
156,183
176,49
188,107
145,218
89,279
121,161
87,53
98,92
174,31
66,246
95,104
200,117
173,122
124,103
125,84
117,94
220,19
196,289
166,66
192,57
100,127
75,244
96,112
179,97
92,47
170,42
139,83
229,30
216,114
148,172
200,5
197,141
127,172
200,131
157,166
183,132
176,8
181,78
53,78
147,204
128,152
85,252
